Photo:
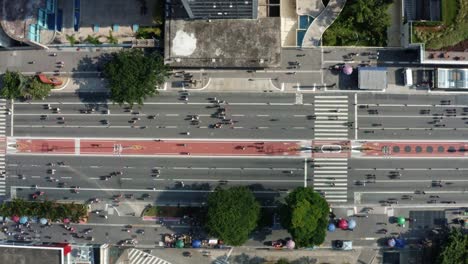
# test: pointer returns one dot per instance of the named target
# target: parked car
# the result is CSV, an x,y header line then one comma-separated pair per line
x,y
342,244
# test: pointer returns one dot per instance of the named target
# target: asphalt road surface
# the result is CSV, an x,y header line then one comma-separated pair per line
x,y
167,116
332,116
180,180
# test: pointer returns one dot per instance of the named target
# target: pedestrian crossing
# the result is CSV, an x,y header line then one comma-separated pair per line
x,y
136,256
331,178
331,117
3,116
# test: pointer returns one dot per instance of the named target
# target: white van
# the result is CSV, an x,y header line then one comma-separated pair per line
x,y
408,75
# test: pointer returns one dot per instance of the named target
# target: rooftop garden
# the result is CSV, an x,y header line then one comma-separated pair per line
x,y
452,30
361,23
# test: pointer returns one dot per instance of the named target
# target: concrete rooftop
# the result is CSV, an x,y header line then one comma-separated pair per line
x,y
223,43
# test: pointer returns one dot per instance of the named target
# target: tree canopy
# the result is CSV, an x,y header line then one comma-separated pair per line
x,y
13,85
37,89
455,249
48,209
362,22
232,214
305,216
134,76
18,86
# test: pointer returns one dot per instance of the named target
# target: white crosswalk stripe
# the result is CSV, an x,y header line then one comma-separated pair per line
x,y
3,115
136,256
331,117
299,98
331,178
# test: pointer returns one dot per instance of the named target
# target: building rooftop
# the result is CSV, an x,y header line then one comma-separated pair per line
x,y
25,254
452,78
219,9
223,43
372,78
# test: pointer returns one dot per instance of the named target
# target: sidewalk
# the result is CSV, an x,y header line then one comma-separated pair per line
x,y
229,85
83,85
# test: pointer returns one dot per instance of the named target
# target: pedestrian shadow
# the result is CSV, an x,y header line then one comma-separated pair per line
x,y
241,259
88,77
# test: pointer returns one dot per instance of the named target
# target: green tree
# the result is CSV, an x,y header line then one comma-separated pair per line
x,y
232,214
37,90
455,249
93,40
14,85
132,76
305,215
361,22
282,261
111,39
72,39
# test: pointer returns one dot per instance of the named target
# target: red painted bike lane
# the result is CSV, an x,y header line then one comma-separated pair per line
x,y
51,146
428,149
158,147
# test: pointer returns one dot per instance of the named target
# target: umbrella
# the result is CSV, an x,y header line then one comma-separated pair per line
x,y
401,220
391,242
66,220
343,224
15,218
23,220
351,224
7,219
347,69
400,243
43,221
179,244
196,243
290,244
331,227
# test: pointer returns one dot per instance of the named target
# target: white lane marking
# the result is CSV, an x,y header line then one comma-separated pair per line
x,y
11,118
329,122
330,180
413,128
428,181
409,169
331,96
318,162
331,134
344,118
305,173
331,130
154,103
416,105
330,138
355,117
331,110
409,116
329,188
330,101
331,168
331,114
77,114
331,105
151,139
330,126
331,159
328,176
330,171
